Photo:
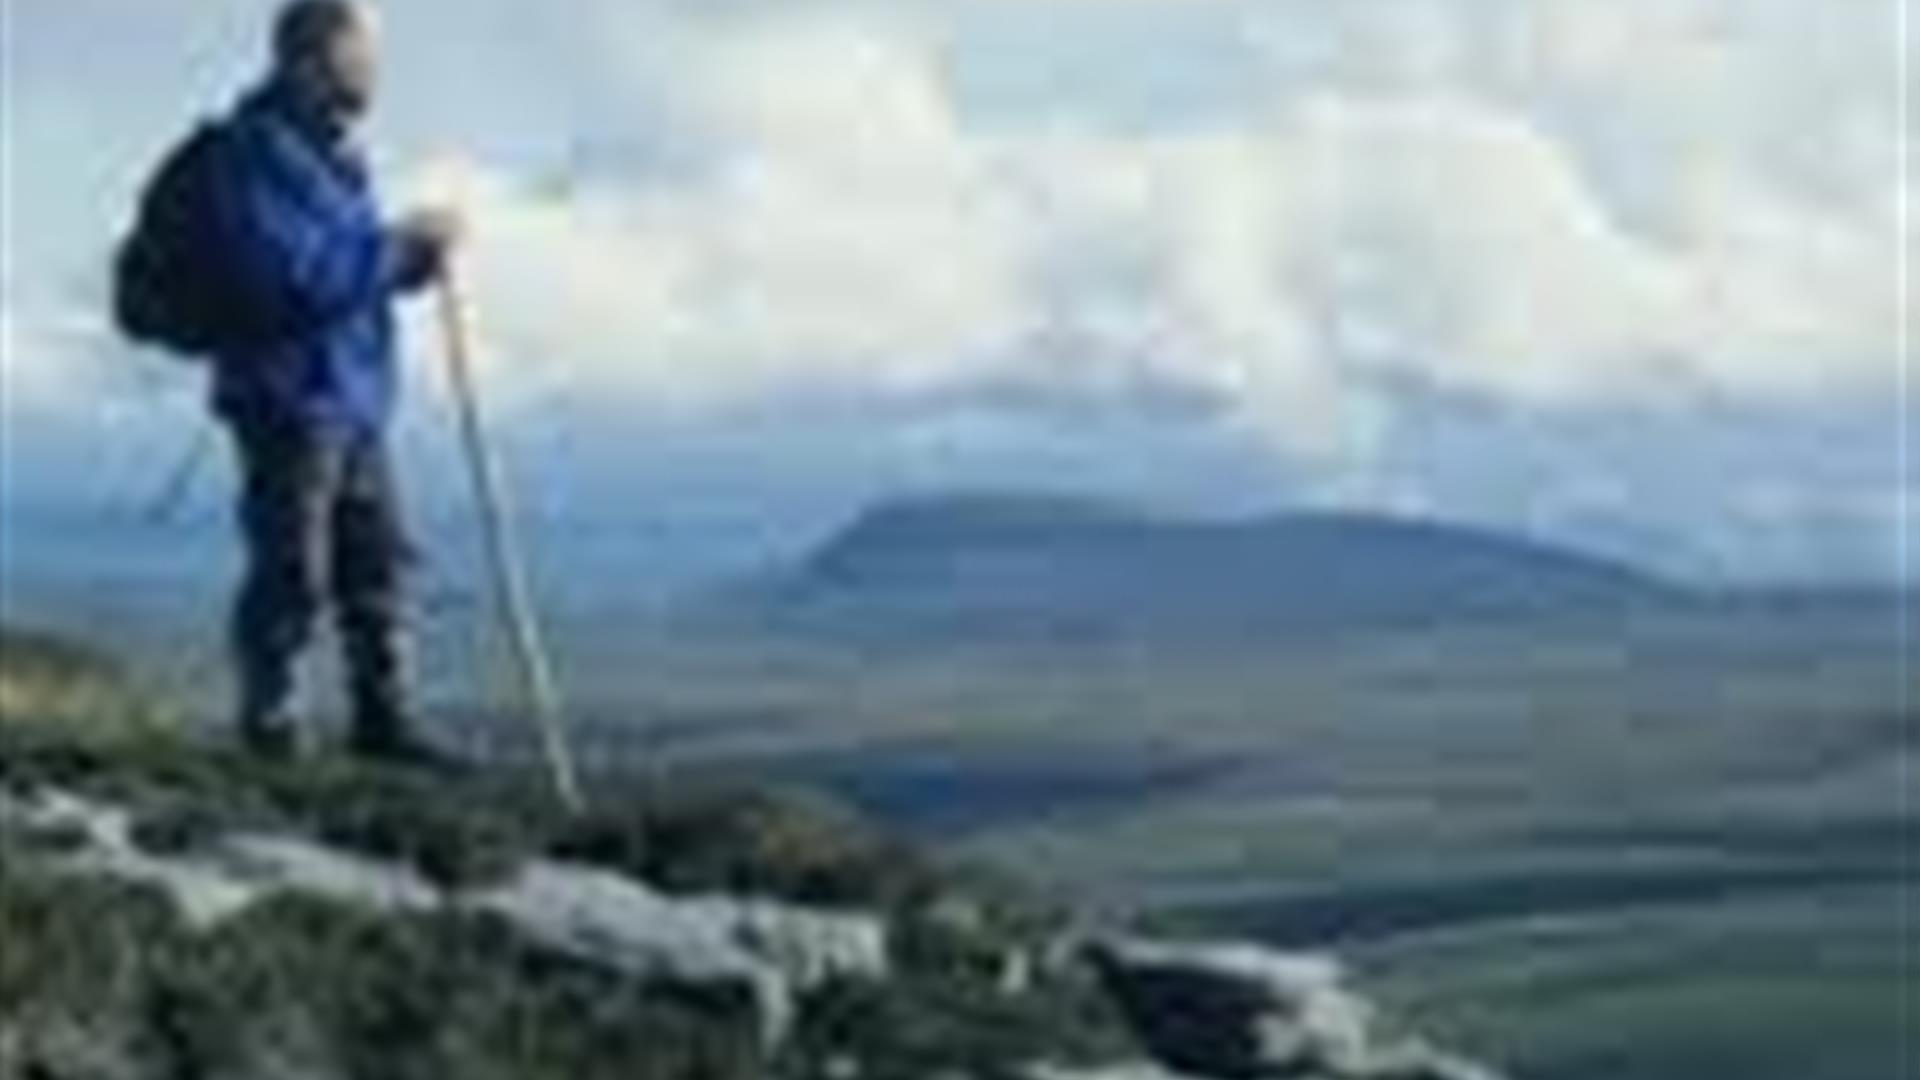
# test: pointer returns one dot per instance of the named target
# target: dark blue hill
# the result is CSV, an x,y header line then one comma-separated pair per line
x,y
1070,568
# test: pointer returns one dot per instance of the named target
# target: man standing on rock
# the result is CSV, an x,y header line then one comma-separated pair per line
x,y
282,273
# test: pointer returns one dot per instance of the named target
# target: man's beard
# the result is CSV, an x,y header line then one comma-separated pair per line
x,y
332,102
348,103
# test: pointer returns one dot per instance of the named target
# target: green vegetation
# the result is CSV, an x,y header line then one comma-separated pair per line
x,y
101,982
57,684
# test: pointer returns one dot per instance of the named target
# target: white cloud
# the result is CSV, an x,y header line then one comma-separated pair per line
x,y
851,224
838,235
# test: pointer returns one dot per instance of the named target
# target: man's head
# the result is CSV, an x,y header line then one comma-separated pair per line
x,y
329,50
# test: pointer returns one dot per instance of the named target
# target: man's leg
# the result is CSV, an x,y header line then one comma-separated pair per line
x,y
287,477
371,554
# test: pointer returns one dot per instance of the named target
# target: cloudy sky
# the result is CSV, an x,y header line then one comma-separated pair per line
x,y
1618,272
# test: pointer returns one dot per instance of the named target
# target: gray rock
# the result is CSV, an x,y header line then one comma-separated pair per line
x,y
773,952
1242,1012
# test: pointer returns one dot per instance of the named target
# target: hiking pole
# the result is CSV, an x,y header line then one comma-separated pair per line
x,y
172,495
513,596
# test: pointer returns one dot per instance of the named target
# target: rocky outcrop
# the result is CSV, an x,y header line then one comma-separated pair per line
x,y
1214,1011
774,952
1234,1011
171,912
770,952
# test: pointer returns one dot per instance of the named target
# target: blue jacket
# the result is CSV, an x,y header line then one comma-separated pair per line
x,y
314,268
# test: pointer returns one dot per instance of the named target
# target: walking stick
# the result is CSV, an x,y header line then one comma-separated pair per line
x,y
172,495
540,693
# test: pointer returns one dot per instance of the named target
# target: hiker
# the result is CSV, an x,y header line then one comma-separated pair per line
x,y
296,275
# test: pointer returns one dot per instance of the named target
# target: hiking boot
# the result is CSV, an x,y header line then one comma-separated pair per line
x,y
275,740
400,746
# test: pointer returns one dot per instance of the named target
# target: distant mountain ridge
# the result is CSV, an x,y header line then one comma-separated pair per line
x,y
1060,566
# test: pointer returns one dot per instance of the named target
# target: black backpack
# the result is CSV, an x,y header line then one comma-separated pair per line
x,y
171,287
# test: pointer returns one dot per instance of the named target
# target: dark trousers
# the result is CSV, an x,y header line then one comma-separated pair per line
x,y
320,518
